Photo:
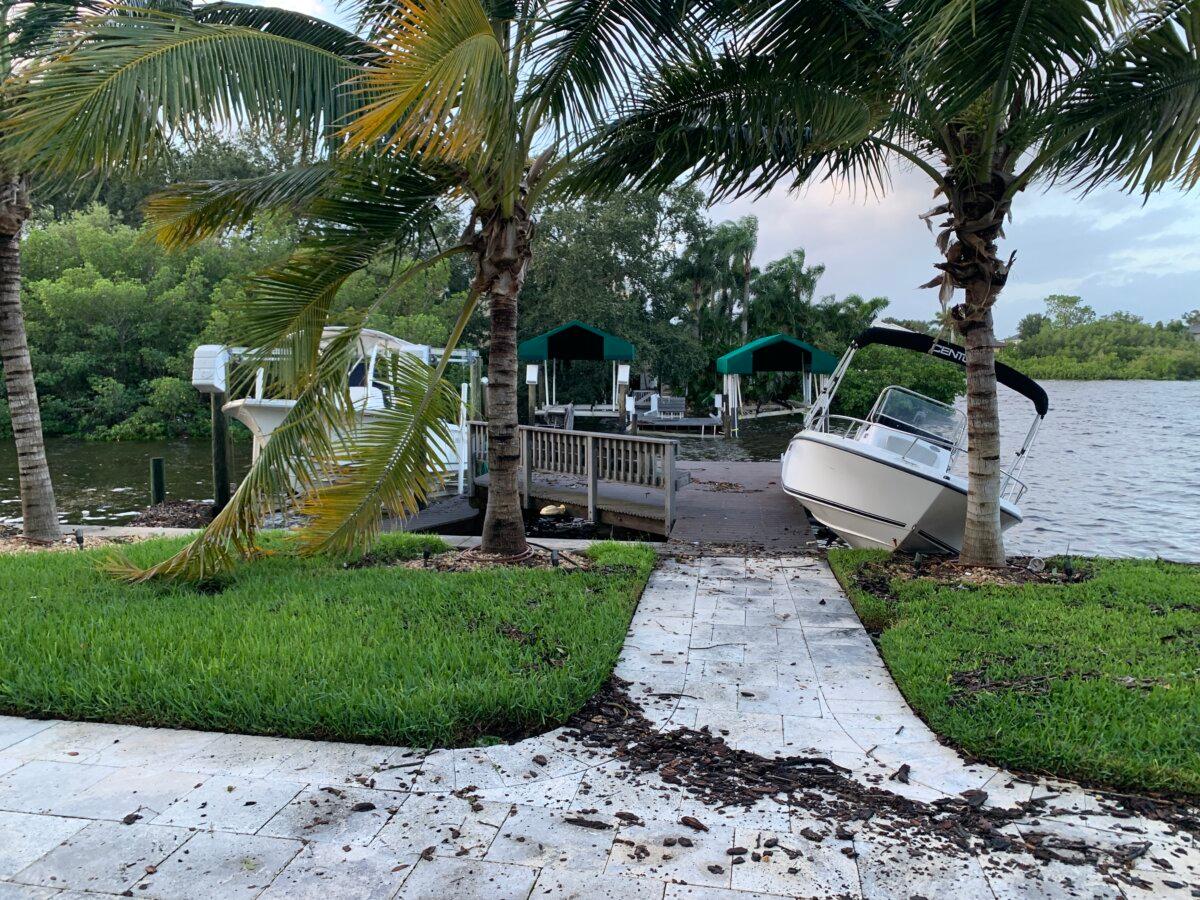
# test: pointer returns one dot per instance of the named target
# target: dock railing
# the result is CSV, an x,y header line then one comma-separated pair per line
x,y
592,456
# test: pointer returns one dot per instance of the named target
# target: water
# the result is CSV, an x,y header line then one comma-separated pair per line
x,y
1115,471
107,484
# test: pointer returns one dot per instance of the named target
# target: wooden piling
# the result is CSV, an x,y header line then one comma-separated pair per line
x,y
220,453
158,480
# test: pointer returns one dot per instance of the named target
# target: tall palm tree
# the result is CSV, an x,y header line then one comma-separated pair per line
x,y
985,97
26,30
477,101
743,243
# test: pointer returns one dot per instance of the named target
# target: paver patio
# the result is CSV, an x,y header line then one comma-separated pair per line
x,y
765,652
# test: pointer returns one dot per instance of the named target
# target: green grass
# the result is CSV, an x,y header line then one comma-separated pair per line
x,y
1097,680
309,648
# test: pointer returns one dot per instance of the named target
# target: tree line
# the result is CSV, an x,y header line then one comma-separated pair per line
x,y
113,317
1069,340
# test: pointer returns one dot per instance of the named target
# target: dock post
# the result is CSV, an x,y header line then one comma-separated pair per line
x,y
158,481
475,394
220,453
591,479
527,466
669,484
622,412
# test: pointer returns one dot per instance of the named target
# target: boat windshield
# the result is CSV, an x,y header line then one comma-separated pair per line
x,y
919,415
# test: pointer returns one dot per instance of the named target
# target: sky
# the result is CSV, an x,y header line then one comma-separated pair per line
x,y
1112,249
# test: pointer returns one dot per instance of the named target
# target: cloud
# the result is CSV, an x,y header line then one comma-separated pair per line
x,y
1111,248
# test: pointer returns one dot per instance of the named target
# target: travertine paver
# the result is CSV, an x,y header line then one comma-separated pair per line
x,y
765,652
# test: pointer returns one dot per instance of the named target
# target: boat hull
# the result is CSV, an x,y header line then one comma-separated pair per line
x,y
263,417
875,502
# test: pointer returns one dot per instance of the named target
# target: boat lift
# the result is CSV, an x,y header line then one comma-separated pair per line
x,y
774,353
211,365
576,340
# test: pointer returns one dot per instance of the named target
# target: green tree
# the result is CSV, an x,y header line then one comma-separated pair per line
x,y
455,99
1065,311
113,319
985,97
1031,324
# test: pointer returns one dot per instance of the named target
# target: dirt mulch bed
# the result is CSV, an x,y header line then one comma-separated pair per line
x,y
474,561
12,541
876,577
175,514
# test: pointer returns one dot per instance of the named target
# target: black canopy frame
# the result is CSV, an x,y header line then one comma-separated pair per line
x,y
923,343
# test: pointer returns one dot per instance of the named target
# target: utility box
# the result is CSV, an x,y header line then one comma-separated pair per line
x,y
210,365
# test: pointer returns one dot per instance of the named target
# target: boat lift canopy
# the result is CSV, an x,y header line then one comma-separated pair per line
x,y
774,353
777,353
576,341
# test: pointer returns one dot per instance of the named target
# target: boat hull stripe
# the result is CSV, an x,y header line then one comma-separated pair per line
x,y
844,508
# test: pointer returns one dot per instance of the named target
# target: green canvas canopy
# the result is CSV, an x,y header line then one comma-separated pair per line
x,y
777,353
576,340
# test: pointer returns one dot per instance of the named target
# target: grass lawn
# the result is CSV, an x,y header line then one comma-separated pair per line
x,y
308,648
1097,680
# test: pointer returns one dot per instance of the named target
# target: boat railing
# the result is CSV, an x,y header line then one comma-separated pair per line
x,y
1012,488
852,429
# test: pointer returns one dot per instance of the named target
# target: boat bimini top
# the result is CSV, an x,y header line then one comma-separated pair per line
x,y
922,432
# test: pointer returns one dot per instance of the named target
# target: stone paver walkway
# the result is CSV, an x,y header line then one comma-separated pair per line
x,y
766,652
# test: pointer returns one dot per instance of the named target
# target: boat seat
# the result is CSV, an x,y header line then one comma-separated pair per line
x,y
913,449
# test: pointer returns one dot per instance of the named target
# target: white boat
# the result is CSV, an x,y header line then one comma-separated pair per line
x,y
887,481
263,414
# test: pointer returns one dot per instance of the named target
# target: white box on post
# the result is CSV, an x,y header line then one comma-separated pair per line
x,y
210,363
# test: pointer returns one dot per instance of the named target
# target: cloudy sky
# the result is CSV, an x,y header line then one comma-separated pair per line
x,y
1111,249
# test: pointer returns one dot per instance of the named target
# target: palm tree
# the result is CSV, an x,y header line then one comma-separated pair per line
x,y
985,97
26,30
452,100
742,244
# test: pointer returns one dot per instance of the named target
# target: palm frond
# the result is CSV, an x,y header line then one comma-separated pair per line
x,y
35,28
589,52
991,51
185,214
440,87
149,75
738,121
293,462
391,462
290,24
1135,118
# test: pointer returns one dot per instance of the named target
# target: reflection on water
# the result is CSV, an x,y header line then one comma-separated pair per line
x,y
1115,469
106,484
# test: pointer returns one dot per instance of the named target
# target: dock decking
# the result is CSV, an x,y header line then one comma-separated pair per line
x,y
726,504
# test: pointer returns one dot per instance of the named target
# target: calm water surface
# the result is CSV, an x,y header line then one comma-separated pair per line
x,y
1116,469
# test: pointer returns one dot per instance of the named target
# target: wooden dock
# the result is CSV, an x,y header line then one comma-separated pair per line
x,y
635,482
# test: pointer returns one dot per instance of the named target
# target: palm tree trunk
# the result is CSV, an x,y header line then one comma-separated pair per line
x,y
38,511
746,298
502,263
983,539
977,211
